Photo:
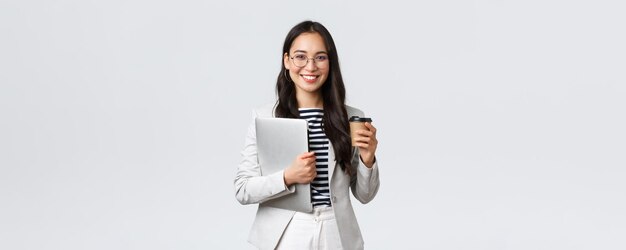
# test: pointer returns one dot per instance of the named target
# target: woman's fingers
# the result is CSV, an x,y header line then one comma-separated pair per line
x,y
363,139
370,127
365,133
307,155
366,136
303,169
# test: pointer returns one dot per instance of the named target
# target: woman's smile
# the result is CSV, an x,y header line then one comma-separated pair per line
x,y
310,78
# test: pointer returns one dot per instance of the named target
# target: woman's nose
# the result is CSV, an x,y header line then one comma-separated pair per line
x,y
310,64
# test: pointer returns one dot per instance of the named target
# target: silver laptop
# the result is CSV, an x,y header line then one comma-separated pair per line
x,y
279,141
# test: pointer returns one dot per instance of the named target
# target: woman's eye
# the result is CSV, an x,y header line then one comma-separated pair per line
x,y
321,58
300,57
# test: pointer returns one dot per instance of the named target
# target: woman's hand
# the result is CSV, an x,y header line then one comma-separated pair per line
x,y
367,143
302,170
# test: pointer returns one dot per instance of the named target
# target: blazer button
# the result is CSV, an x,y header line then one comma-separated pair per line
x,y
334,198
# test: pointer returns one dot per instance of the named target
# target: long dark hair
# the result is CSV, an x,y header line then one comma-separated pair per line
x,y
333,94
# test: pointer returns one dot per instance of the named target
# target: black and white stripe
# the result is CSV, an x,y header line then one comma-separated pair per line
x,y
318,143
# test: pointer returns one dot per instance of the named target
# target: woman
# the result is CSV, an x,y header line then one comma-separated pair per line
x,y
310,86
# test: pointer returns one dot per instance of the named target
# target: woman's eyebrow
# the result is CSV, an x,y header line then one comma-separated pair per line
x,y
304,51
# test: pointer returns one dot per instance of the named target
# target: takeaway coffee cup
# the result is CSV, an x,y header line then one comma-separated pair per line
x,y
357,123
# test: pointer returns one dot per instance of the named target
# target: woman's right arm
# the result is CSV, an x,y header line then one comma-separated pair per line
x,y
250,186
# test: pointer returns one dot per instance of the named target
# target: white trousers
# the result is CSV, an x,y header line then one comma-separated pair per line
x,y
316,231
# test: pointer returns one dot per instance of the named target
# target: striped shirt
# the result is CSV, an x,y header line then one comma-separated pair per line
x,y
318,143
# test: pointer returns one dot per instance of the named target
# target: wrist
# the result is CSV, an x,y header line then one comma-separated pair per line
x,y
368,161
286,179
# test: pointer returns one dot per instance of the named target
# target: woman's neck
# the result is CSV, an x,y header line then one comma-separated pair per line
x,y
309,100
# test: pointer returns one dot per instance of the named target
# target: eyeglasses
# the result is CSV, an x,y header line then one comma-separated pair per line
x,y
301,60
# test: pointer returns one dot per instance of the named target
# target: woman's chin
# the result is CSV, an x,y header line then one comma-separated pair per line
x,y
309,87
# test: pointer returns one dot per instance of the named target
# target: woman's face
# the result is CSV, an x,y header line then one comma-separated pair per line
x,y
308,48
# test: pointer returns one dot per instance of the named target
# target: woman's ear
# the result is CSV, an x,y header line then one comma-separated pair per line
x,y
286,61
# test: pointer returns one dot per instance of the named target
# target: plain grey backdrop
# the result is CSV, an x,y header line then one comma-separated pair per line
x,y
501,123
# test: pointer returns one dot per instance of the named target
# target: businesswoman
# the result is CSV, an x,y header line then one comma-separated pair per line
x,y
310,87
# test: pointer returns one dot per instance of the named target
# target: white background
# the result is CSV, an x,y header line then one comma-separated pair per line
x,y
501,123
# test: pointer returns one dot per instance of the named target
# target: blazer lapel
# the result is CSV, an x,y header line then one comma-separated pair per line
x,y
331,161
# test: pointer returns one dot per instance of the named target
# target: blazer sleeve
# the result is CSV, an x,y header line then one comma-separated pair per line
x,y
250,186
365,181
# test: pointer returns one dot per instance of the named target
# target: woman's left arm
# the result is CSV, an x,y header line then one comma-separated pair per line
x,y
366,181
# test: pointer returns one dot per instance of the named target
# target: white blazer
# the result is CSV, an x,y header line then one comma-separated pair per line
x,y
270,222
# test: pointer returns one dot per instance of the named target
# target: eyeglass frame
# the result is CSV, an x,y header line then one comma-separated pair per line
x,y
315,62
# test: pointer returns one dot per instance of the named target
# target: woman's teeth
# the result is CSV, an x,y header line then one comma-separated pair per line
x,y
309,77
